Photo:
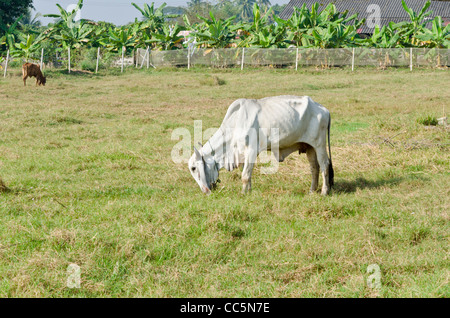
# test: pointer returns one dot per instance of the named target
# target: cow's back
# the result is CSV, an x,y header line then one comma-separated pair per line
x,y
297,118
30,70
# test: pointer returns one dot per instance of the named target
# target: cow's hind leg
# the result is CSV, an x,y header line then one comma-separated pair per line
x,y
24,80
324,163
312,158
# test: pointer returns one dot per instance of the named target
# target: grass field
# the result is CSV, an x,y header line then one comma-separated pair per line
x,y
90,180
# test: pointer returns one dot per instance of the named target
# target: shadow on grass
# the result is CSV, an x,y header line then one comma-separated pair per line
x,y
345,186
78,73
3,187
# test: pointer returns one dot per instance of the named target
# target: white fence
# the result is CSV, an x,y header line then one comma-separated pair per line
x,y
290,58
298,57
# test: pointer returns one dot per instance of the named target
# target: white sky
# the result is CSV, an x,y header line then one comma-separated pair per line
x,y
118,12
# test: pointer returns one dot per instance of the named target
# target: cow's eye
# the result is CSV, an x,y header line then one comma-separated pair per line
x,y
193,169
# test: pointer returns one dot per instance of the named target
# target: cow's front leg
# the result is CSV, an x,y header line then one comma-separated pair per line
x,y
249,163
247,178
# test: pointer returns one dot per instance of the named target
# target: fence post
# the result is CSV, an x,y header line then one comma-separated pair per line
x,y
148,56
242,62
144,58
136,52
410,59
98,57
6,63
123,53
189,57
353,59
69,59
42,59
296,60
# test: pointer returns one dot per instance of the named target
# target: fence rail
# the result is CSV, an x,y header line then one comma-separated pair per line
x,y
254,57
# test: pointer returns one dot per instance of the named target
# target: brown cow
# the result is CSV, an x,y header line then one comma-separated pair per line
x,y
30,70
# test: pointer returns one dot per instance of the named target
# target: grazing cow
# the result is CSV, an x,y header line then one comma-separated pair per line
x,y
295,124
30,70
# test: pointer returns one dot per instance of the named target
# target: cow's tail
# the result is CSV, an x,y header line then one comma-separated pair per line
x,y
330,168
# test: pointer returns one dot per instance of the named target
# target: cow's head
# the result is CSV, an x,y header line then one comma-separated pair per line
x,y
43,80
204,170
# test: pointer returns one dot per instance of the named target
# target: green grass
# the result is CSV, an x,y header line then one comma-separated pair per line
x,y
86,162
428,120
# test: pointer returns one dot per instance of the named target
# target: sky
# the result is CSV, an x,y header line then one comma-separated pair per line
x,y
118,12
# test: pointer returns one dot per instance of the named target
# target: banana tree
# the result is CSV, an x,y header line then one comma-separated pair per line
x,y
99,29
27,46
215,33
119,39
8,33
436,38
66,18
74,37
67,32
313,18
385,38
168,39
334,36
261,32
410,29
329,25
295,27
152,18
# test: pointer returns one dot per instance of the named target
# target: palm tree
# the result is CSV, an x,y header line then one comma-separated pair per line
x,y
264,4
194,3
29,23
246,8
196,8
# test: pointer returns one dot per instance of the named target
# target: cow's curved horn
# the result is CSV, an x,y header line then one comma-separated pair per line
x,y
197,153
200,144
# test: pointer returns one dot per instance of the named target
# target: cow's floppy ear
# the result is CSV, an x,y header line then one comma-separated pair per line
x,y
197,154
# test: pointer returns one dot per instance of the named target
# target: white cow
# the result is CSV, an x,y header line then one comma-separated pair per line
x,y
250,126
